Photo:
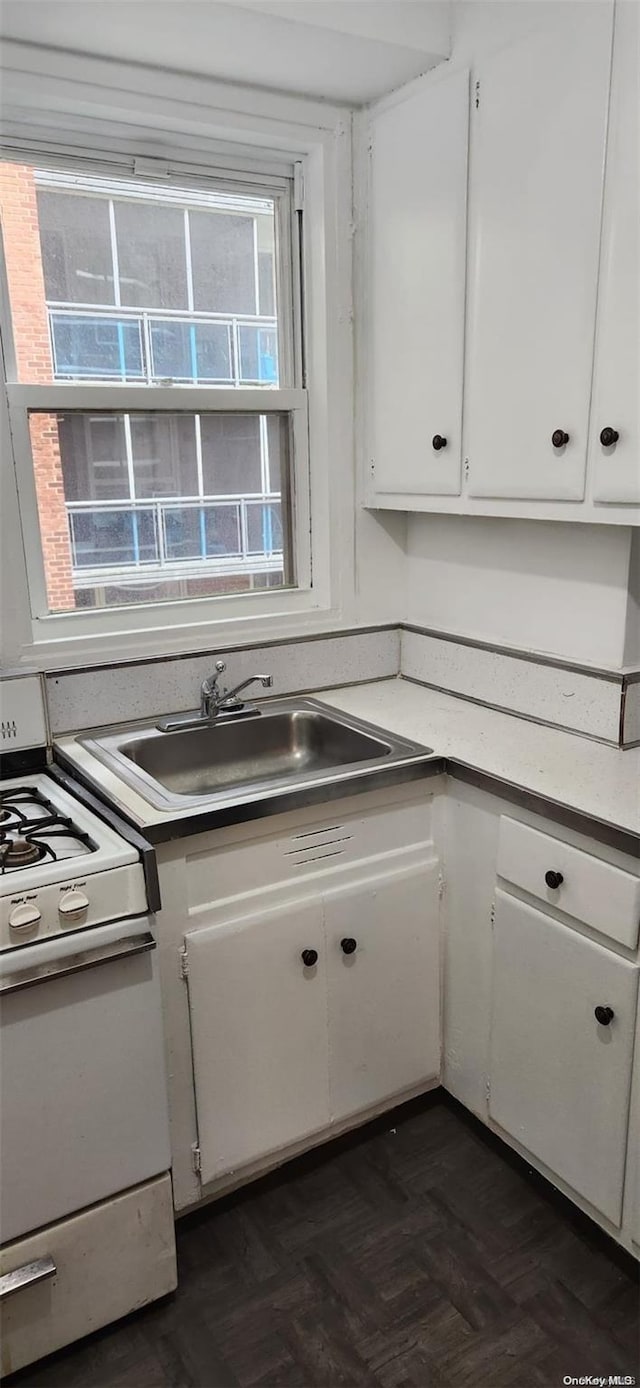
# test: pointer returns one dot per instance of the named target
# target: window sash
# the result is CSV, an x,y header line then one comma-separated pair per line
x,y
287,270
117,399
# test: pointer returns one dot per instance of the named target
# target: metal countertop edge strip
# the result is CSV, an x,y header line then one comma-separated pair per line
x,y
595,672
631,676
220,647
516,713
612,835
295,798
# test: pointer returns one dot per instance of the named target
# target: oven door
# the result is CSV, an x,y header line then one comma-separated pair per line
x,y
82,1079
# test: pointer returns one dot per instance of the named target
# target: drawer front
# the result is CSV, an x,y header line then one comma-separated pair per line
x,y
109,1260
591,890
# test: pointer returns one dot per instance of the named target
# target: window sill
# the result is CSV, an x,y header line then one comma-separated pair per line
x,y
302,614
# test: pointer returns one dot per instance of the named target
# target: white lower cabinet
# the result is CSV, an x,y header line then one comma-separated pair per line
x,y
307,1013
560,1078
259,1035
632,1181
384,994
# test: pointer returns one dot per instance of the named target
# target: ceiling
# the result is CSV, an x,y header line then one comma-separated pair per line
x,y
348,51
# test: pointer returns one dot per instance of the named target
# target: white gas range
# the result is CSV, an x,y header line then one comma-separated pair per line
x,y
62,868
84,1138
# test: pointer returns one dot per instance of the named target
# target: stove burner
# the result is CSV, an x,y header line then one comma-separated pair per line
x,y
21,852
29,827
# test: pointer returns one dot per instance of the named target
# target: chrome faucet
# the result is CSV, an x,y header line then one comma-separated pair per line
x,y
215,701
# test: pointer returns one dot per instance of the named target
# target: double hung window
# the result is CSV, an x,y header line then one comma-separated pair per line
x,y
154,384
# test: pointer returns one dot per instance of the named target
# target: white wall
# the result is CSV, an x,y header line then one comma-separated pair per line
x,y
541,586
555,588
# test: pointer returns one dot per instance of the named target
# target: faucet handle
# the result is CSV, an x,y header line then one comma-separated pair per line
x,y
221,666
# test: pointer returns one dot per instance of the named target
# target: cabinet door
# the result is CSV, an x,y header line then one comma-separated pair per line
x,y
632,1174
259,1035
616,388
537,151
384,997
559,1080
417,285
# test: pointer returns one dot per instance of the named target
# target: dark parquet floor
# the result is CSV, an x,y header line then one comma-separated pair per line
x,y
417,1254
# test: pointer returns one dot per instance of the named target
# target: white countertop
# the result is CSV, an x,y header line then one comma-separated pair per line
x,y
586,776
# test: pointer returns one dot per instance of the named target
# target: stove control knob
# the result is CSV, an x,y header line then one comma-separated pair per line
x,y
25,916
73,905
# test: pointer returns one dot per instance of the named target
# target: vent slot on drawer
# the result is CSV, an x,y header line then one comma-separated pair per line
x,y
328,842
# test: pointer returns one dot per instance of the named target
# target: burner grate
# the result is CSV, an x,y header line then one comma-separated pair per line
x,y
28,823
21,852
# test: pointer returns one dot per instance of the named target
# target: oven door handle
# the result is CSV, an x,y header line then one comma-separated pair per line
x,y
76,963
27,1276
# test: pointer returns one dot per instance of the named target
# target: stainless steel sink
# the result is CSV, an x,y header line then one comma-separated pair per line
x,y
284,743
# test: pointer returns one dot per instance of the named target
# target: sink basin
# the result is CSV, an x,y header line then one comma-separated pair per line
x,y
202,761
285,743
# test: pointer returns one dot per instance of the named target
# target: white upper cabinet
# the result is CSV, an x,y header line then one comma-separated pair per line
x,y
538,128
615,462
416,288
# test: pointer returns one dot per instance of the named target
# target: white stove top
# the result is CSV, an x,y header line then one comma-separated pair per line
x,y
61,867
42,827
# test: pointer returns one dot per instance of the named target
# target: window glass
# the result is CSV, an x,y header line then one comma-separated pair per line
x,y
190,351
258,348
89,348
266,265
163,448
178,292
264,527
223,260
76,248
231,454
143,497
93,457
152,265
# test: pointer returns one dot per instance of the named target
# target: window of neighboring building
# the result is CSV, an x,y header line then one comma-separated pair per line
x,y
145,292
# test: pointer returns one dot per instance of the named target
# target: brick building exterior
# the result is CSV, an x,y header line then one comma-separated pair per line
x,y
19,213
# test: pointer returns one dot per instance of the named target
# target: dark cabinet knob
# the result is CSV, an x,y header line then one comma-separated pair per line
x,y
309,957
348,946
559,438
604,1015
608,437
553,879
438,442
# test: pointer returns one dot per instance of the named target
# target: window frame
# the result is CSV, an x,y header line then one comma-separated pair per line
x,y
106,397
